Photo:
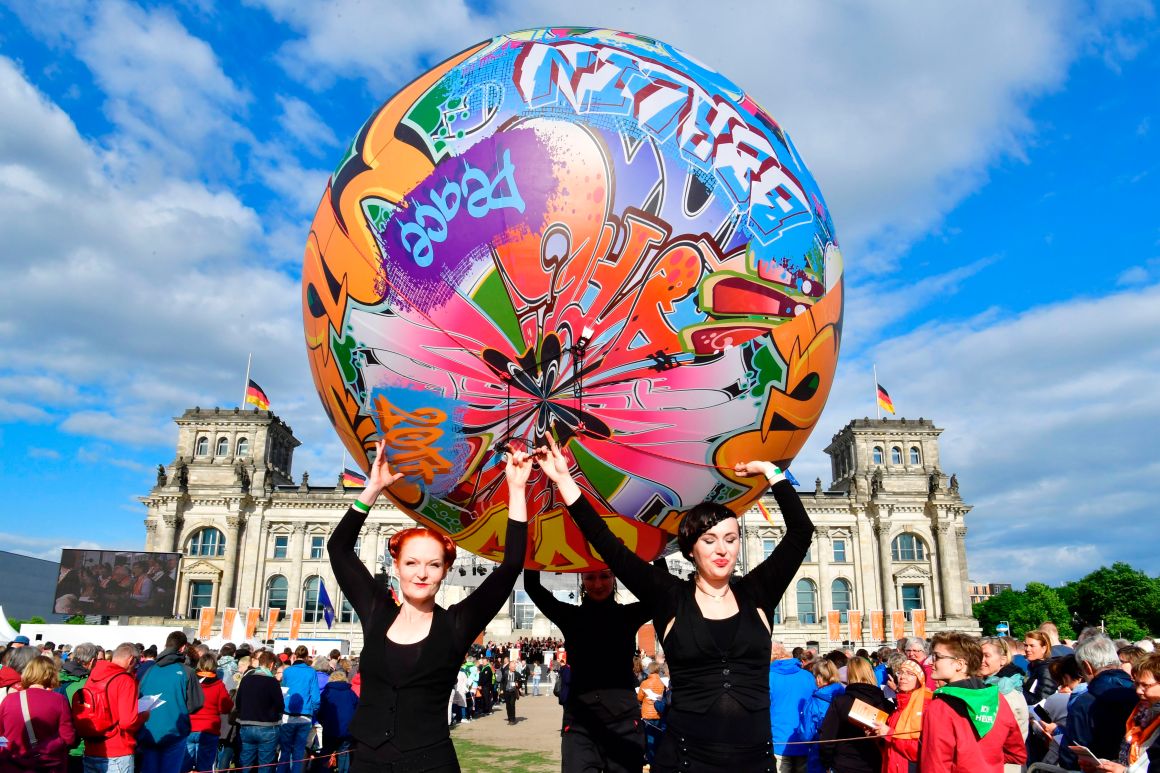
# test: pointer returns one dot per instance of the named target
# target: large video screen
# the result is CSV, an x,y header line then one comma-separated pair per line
x,y
116,582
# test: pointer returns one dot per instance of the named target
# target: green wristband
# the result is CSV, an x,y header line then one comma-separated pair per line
x,y
362,507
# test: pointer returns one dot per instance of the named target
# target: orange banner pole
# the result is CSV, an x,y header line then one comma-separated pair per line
x,y
897,625
252,616
296,622
855,618
878,626
918,621
205,620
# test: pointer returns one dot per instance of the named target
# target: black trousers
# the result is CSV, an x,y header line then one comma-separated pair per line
x,y
509,698
605,735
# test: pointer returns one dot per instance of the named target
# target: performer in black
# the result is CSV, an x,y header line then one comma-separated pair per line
x,y
716,635
413,650
601,727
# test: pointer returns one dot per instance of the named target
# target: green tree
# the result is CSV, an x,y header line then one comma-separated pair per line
x,y
16,623
1025,610
1129,597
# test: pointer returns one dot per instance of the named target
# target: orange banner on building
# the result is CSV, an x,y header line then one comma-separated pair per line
x,y
878,626
918,621
272,615
205,622
855,616
229,619
897,625
252,617
834,621
295,622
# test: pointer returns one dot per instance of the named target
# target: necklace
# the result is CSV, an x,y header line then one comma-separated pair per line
x,y
713,596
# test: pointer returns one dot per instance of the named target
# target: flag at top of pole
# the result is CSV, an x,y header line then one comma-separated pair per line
x,y
256,396
884,401
353,479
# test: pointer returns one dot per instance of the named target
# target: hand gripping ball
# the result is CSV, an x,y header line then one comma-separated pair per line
x,y
579,232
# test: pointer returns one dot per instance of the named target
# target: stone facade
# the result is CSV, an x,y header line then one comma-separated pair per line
x,y
891,529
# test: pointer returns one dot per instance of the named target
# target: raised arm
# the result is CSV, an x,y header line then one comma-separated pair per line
x,y
554,609
355,580
767,582
474,612
646,581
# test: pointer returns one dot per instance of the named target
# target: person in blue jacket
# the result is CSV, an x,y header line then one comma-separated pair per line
x,y
301,694
790,689
161,740
335,711
826,678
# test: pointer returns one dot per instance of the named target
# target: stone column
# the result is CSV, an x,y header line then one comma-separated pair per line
x,y
882,532
825,553
951,600
295,554
167,533
227,594
964,580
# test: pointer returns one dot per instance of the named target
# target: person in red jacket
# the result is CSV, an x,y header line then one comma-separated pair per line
x,y
901,731
46,749
206,723
968,727
113,752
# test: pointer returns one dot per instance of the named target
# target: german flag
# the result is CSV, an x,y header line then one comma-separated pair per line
x,y
255,396
884,401
353,479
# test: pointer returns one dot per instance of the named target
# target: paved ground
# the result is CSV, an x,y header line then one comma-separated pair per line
x,y
537,727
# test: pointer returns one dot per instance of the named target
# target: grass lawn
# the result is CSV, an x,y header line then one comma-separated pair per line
x,y
478,757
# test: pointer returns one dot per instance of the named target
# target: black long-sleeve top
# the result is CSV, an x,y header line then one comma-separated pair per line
x,y
405,687
703,672
600,636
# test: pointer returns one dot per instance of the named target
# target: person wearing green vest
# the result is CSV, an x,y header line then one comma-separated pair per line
x,y
73,676
968,727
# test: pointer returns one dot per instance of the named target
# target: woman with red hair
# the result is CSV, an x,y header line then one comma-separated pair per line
x,y
412,647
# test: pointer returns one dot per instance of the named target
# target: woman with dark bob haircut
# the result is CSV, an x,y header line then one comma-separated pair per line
x,y
716,634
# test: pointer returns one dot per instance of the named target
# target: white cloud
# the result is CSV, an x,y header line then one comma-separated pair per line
x,y
43,453
301,122
1047,418
47,547
899,109
142,296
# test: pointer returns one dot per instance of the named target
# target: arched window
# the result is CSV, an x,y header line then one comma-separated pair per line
x,y
347,614
223,446
202,447
878,455
276,591
243,446
207,542
908,547
311,608
807,601
840,597
915,456
896,455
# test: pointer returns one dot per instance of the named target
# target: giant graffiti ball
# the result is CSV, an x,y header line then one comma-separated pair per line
x,y
582,233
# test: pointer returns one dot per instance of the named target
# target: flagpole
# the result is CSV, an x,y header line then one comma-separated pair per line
x,y
246,385
877,405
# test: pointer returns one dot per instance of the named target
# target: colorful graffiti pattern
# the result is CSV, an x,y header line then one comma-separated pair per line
x,y
578,232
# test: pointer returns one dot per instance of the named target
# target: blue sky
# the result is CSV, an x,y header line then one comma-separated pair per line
x,y
993,170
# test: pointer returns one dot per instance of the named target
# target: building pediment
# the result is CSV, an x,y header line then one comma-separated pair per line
x,y
912,572
201,570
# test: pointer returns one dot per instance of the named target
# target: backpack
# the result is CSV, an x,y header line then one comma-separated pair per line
x,y
92,716
558,687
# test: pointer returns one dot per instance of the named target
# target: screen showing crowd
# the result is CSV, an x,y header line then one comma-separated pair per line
x,y
116,582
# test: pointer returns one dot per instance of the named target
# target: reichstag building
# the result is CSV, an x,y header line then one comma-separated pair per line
x,y
891,531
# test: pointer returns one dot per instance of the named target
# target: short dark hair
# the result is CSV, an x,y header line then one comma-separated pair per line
x,y
228,649
1063,666
699,520
963,646
176,640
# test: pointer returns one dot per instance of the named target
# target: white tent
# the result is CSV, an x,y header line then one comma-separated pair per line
x,y
7,632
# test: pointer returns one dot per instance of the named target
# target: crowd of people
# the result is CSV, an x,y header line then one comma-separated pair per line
x,y
721,696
